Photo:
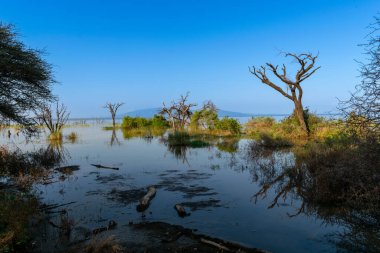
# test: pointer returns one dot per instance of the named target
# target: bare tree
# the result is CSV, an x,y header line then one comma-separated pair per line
x,y
362,110
179,113
112,108
56,122
307,68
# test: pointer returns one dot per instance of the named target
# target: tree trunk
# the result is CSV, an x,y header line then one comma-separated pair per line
x,y
298,108
113,121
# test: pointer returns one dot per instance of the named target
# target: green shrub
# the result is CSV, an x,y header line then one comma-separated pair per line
x,y
229,124
204,119
159,121
140,122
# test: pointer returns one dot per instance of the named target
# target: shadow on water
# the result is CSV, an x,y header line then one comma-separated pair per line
x,y
336,187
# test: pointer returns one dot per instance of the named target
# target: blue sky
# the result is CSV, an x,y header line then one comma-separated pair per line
x,y
145,52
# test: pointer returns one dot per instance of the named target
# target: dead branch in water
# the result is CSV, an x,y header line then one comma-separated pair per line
x,y
144,202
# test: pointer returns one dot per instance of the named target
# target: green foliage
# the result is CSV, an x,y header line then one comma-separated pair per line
x,y
25,79
229,124
269,141
140,122
159,121
205,119
288,130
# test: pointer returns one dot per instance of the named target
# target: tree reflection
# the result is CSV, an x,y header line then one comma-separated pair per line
x,y
114,139
339,187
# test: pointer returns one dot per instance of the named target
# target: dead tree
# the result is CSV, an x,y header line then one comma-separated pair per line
x,y
179,113
307,68
56,122
112,108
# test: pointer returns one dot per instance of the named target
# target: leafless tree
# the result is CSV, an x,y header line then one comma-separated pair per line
x,y
362,110
112,108
54,122
178,113
306,69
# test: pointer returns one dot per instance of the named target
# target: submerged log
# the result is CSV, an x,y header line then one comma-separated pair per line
x,y
99,166
68,169
53,206
181,210
144,201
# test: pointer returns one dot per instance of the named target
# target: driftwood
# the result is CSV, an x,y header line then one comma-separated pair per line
x,y
99,166
181,210
219,246
53,206
144,201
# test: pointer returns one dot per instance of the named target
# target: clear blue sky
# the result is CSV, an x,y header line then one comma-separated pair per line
x,y
146,52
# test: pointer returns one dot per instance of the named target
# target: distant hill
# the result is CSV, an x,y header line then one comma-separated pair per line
x,y
148,113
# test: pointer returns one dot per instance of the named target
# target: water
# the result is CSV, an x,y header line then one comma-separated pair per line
x,y
216,186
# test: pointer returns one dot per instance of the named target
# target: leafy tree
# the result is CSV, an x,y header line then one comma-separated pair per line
x,y
229,124
206,118
306,69
25,79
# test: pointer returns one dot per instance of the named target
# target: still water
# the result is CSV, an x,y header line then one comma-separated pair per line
x,y
216,184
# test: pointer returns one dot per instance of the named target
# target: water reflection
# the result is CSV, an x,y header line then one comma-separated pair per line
x,y
229,145
321,193
114,139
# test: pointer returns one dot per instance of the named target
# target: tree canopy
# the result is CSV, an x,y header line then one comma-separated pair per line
x,y
25,79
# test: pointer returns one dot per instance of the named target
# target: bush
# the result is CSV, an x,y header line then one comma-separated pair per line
x,y
290,131
56,136
140,122
159,121
72,137
229,124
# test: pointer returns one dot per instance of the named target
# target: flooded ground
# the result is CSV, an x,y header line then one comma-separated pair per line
x,y
216,184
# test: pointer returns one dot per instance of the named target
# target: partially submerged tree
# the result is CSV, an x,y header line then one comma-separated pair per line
x,y
25,80
306,69
112,108
363,108
53,121
178,113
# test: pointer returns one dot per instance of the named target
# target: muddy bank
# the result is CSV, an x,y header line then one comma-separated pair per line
x,y
158,237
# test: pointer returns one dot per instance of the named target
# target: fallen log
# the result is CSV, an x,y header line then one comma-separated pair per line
x,y
217,245
53,206
181,210
144,201
99,166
